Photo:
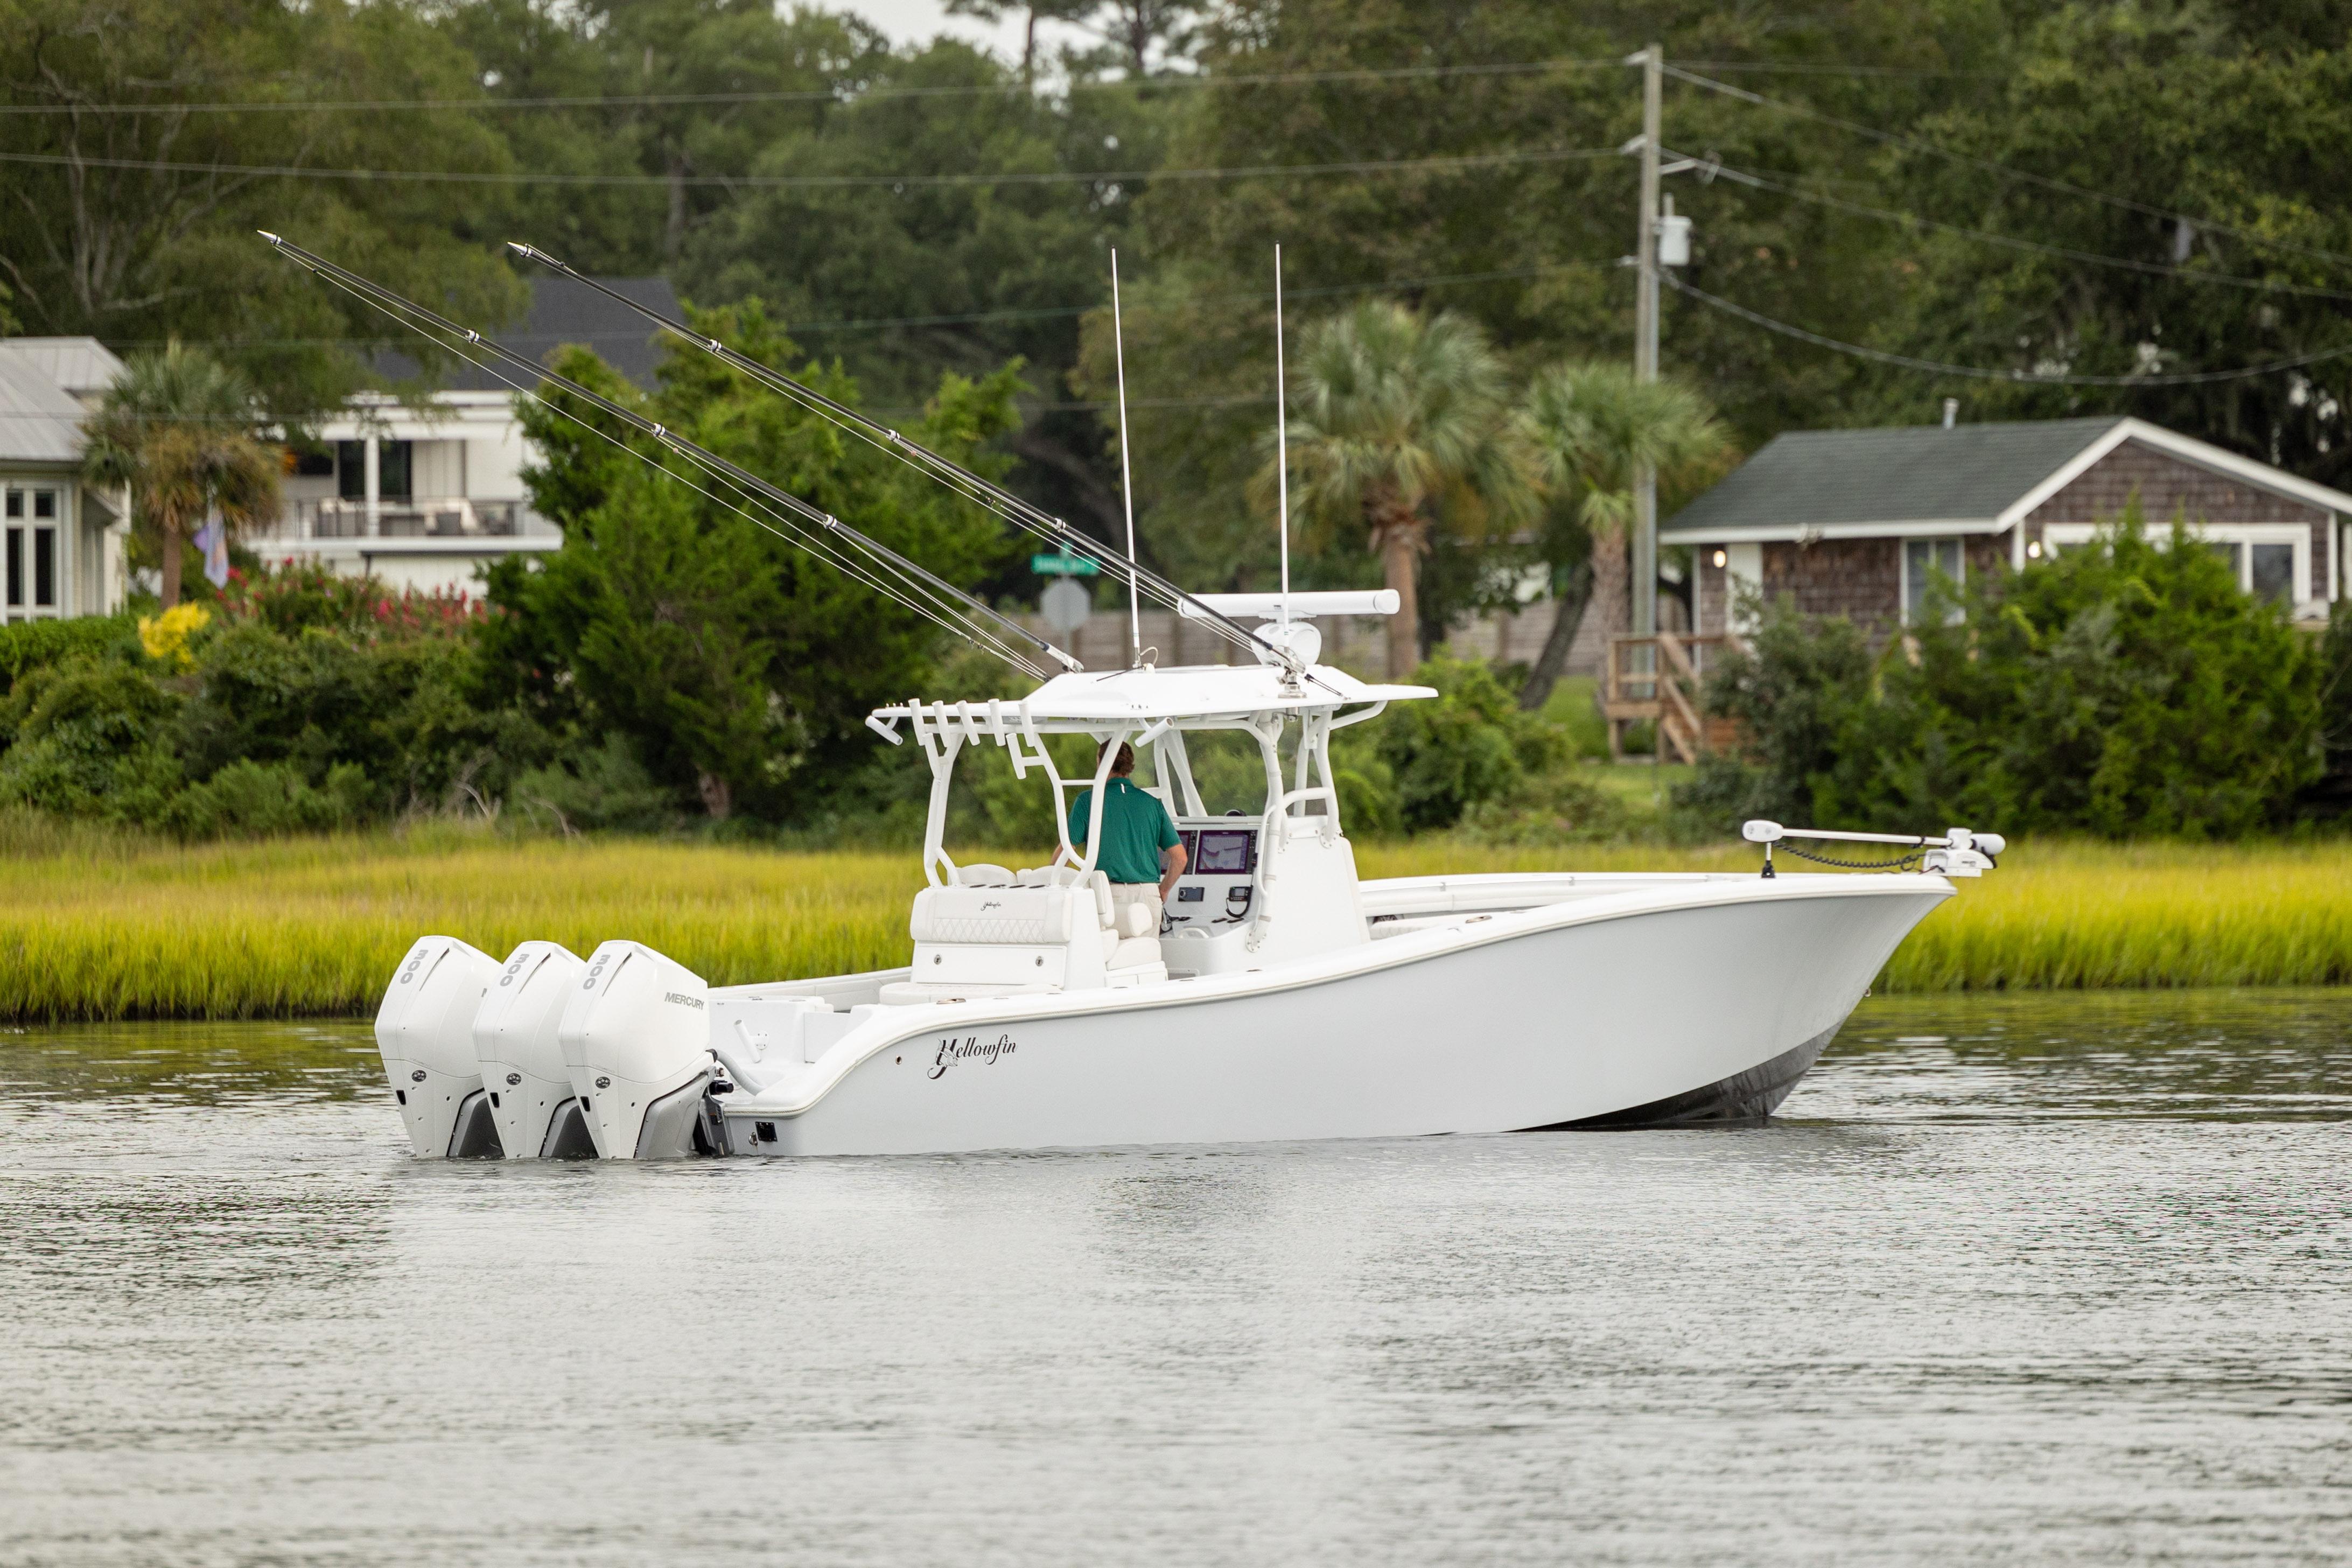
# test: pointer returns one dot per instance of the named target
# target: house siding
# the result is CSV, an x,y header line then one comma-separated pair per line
x,y
2165,486
1860,579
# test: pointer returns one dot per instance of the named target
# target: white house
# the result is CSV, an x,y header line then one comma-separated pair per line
x,y
61,540
424,495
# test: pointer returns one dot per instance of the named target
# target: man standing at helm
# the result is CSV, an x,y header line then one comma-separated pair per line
x,y
1142,853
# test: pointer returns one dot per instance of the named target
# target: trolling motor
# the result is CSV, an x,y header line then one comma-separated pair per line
x,y
1958,853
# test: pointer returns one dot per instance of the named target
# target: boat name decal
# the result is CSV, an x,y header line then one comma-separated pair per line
x,y
682,999
970,1049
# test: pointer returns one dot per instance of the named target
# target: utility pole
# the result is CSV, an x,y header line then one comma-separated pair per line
x,y
1644,542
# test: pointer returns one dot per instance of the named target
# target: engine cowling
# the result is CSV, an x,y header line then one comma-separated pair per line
x,y
424,1029
636,1044
523,1071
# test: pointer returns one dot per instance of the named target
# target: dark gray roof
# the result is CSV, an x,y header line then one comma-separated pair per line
x,y
563,312
1923,474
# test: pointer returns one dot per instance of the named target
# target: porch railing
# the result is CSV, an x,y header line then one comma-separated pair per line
x,y
1656,680
437,517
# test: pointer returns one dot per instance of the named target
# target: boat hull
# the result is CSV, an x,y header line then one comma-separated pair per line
x,y
1665,1005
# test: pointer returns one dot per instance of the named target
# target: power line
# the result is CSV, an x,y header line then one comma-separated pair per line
x,y
2046,182
847,95
1903,215
1434,280
1979,373
1800,67
818,182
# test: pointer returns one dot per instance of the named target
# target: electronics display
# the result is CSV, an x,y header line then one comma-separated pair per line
x,y
1226,852
1190,895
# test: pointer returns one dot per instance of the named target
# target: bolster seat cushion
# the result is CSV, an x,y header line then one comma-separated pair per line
x,y
1011,917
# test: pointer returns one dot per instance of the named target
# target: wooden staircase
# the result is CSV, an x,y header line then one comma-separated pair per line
x,y
1656,680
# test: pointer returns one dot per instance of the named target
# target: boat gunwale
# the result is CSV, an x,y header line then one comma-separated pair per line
x,y
1329,968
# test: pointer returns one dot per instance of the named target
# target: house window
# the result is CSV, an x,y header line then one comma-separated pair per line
x,y
1922,559
16,572
2271,561
45,568
45,503
393,468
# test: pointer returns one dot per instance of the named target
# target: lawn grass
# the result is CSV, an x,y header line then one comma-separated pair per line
x,y
100,925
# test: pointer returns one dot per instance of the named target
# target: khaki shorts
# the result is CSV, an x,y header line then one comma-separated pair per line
x,y
1122,894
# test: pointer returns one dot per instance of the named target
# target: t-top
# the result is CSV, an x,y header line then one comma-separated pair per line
x,y
1136,827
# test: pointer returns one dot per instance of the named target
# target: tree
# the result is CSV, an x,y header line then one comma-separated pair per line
x,y
739,665
1594,427
1403,423
178,428
134,196
1032,12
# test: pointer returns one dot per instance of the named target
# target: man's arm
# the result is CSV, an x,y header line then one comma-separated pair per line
x,y
1172,854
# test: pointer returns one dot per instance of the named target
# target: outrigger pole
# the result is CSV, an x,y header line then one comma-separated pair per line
x,y
971,486
980,616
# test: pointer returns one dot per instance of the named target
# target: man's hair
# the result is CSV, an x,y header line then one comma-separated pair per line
x,y
1123,764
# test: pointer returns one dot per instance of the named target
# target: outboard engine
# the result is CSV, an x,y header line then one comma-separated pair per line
x,y
636,1040
424,1028
524,1073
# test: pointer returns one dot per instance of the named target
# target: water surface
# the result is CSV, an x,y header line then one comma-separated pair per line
x,y
2034,1280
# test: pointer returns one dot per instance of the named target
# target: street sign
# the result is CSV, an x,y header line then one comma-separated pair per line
x,y
1061,566
1065,605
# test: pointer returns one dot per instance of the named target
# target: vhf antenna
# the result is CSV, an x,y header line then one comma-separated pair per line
x,y
1126,477
1281,441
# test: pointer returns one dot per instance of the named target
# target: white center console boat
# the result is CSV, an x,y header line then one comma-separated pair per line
x,y
1282,996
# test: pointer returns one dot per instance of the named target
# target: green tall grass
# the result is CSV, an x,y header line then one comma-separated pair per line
x,y
102,925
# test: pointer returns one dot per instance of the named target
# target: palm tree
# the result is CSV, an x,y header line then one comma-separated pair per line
x,y
1594,427
178,428
1404,421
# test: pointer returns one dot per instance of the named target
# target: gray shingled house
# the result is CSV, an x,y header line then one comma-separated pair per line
x,y
1853,522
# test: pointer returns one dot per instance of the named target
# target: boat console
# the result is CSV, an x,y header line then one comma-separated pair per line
x,y
1219,887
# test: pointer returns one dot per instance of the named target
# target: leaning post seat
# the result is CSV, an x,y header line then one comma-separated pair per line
x,y
1047,929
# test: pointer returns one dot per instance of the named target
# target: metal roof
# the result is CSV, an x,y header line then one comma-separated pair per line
x,y
40,422
1815,479
82,367
563,312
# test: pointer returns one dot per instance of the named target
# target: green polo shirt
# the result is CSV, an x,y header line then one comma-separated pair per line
x,y
1136,829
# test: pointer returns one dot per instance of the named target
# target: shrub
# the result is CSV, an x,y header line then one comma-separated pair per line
x,y
1553,808
257,799
1468,744
85,739
2126,687
35,644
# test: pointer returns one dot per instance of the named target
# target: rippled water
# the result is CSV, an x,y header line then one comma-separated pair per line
x,y
2041,1280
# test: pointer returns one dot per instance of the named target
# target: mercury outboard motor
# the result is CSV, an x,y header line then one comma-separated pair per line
x,y
424,1028
636,1040
524,1073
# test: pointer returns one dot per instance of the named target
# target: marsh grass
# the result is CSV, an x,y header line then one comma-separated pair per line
x,y
100,924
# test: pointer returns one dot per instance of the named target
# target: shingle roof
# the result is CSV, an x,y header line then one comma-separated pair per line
x,y
563,312
40,422
1911,474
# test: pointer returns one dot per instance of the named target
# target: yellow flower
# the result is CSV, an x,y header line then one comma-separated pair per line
x,y
165,637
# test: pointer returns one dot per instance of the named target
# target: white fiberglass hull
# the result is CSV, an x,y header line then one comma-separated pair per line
x,y
1682,998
